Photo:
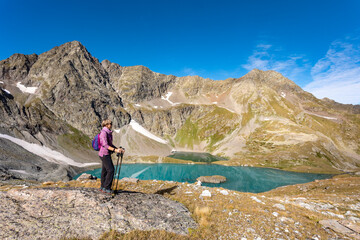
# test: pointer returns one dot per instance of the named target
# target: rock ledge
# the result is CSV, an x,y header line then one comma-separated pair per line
x,y
54,213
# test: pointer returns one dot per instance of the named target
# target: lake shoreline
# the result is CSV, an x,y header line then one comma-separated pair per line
x,y
139,160
240,178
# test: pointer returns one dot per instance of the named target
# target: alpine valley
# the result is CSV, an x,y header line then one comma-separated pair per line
x,y
57,100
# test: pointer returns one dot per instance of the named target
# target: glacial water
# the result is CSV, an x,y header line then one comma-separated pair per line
x,y
244,179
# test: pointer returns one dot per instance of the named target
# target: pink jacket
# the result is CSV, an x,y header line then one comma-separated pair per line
x,y
106,140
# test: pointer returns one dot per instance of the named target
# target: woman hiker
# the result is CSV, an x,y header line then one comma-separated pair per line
x,y
106,149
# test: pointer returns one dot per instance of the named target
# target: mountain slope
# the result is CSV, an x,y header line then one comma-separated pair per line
x,y
262,118
59,98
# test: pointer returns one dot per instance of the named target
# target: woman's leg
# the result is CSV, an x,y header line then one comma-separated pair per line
x,y
103,171
109,167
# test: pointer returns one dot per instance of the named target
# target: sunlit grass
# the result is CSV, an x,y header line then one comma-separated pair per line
x,y
248,215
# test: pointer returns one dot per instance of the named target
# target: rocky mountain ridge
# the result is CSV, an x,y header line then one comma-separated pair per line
x,y
58,99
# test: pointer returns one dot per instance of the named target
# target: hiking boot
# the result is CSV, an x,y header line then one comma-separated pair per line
x,y
108,191
101,189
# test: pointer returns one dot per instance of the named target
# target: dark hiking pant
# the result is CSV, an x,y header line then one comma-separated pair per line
x,y
107,171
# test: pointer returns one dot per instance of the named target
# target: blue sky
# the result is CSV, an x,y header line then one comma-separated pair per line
x,y
314,43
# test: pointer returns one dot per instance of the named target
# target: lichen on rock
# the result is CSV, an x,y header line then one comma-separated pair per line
x,y
86,212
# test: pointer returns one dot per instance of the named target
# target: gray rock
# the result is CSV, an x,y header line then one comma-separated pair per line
x,y
279,206
85,176
70,76
59,213
132,180
145,84
344,227
17,66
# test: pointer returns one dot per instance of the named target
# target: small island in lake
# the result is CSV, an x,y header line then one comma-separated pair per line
x,y
212,179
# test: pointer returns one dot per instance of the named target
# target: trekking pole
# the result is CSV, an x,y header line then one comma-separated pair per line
x,y
121,154
116,169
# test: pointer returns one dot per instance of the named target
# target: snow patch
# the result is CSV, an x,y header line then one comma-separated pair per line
x,y
117,130
283,95
166,98
214,102
156,107
330,118
2,82
137,127
46,153
24,89
138,105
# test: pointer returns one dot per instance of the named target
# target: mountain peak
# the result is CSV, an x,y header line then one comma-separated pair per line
x,y
73,44
68,49
263,73
271,77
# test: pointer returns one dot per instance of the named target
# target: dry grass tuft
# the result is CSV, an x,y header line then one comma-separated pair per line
x,y
202,213
142,235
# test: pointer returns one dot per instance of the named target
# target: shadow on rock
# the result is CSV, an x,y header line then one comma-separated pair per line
x,y
166,190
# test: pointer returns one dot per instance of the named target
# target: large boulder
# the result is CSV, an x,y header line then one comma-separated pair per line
x,y
55,213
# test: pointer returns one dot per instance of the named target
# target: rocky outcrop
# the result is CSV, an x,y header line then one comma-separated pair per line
x,y
164,121
344,227
86,176
69,76
137,83
19,163
66,213
16,67
212,179
71,84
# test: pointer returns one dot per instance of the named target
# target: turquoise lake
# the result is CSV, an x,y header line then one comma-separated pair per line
x,y
244,179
